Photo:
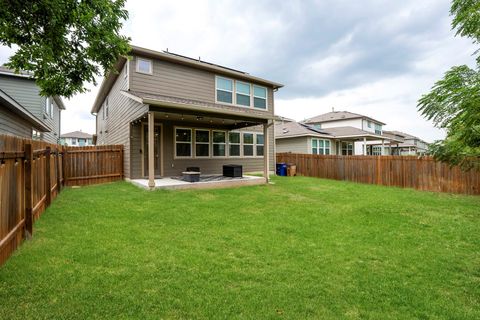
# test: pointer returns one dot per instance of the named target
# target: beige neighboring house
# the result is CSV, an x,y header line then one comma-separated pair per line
x,y
24,112
336,132
77,139
172,112
411,145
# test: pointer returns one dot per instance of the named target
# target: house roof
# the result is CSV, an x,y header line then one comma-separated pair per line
x,y
28,75
76,134
351,132
109,80
337,116
295,129
405,135
11,104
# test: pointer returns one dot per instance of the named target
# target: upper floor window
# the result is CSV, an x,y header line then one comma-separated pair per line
x,y
224,90
378,128
317,126
320,146
243,93
144,66
240,93
49,107
260,97
369,124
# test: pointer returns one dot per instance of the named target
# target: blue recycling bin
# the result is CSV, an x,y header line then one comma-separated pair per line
x,y
281,169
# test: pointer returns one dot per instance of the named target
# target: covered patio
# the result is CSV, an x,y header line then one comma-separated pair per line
x,y
169,143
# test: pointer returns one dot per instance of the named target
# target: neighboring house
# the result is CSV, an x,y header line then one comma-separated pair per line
x,y
350,134
411,145
22,91
172,112
76,138
16,120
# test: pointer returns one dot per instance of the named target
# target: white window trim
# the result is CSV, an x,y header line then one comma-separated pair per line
x,y
224,143
250,95
125,72
254,96
259,144
324,148
50,110
207,143
248,144
175,143
232,92
143,72
239,144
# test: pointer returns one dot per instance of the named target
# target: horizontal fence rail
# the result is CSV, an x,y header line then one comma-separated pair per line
x,y
422,173
32,174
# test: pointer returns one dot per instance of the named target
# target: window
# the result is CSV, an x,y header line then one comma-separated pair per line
x,y
202,143
320,146
369,124
377,150
234,144
347,148
74,141
144,66
248,144
36,135
183,142
219,142
47,106
260,97
317,126
224,90
378,129
260,143
243,93
106,108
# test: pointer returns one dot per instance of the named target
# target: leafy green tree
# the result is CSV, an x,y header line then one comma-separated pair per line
x,y
63,43
454,101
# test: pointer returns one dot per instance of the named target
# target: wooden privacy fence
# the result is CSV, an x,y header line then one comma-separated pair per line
x,y
400,171
32,174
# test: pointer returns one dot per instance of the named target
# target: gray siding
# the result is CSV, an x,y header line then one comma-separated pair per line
x,y
180,81
12,124
115,129
293,145
174,167
27,93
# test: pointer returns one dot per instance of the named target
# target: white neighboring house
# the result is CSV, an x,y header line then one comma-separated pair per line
x,y
364,133
76,139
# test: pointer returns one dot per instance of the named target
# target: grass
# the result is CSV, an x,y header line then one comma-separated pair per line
x,y
302,248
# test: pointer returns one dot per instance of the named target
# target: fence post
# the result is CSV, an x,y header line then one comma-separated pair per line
x,y
59,186
48,182
64,161
28,191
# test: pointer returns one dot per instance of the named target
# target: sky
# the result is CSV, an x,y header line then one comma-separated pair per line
x,y
373,57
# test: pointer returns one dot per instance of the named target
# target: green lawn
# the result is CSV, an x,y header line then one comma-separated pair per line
x,y
302,248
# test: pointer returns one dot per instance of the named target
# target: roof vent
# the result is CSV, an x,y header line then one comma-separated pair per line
x,y
285,130
343,116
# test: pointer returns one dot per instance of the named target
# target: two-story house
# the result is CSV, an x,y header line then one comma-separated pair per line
x,y
76,138
350,134
172,112
24,112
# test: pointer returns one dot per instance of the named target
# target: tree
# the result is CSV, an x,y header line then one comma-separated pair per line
x,y
454,101
63,43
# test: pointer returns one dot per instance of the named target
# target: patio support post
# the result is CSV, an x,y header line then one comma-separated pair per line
x,y
151,163
266,152
364,146
383,147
